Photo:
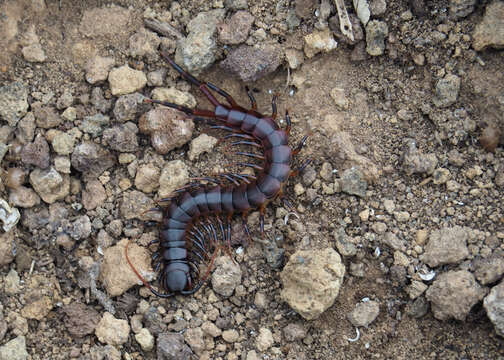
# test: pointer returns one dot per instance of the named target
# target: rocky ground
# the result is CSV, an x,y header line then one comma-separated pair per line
x,y
396,247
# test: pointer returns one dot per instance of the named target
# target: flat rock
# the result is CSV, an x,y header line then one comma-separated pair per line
x,y
251,63
6,248
453,294
376,33
80,320
107,21
447,90
446,246
115,272
311,281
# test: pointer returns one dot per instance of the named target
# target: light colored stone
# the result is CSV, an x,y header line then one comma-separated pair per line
x,y
125,80
116,274
311,281
174,175
112,331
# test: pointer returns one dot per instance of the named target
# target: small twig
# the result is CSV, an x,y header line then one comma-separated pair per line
x,y
163,28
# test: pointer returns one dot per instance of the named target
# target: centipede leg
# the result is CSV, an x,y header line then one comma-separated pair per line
x,y
289,124
300,145
253,103
245,226
274,106
261,220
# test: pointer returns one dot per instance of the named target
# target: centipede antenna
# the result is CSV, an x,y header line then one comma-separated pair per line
x,y
221,92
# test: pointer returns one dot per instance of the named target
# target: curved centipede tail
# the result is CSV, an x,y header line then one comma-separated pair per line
x,y
147,285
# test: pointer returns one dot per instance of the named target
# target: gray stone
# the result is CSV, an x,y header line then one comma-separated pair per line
x,y
235,30
94,124
226,277
97,69
36,153
167,127
353,182
376,33
415,162
490,32
199,49
34,53
92,159
252,63
171,346
126,107
364,313
144,43
13,102
236,4
446,246
489,270
122,137
50,185
447,90
14,349
461,8
494,306
46,117
453,294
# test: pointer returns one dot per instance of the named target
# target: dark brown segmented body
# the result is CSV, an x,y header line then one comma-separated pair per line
x,y
187,235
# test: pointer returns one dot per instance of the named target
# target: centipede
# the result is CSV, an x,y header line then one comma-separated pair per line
x,y
196,221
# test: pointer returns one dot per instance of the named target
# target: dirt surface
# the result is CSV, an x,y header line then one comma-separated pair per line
x,y
386,102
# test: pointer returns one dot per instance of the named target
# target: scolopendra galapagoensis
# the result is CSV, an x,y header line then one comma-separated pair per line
x,y
187,234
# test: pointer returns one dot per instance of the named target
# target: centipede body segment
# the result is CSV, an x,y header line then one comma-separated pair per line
x,y
197,221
